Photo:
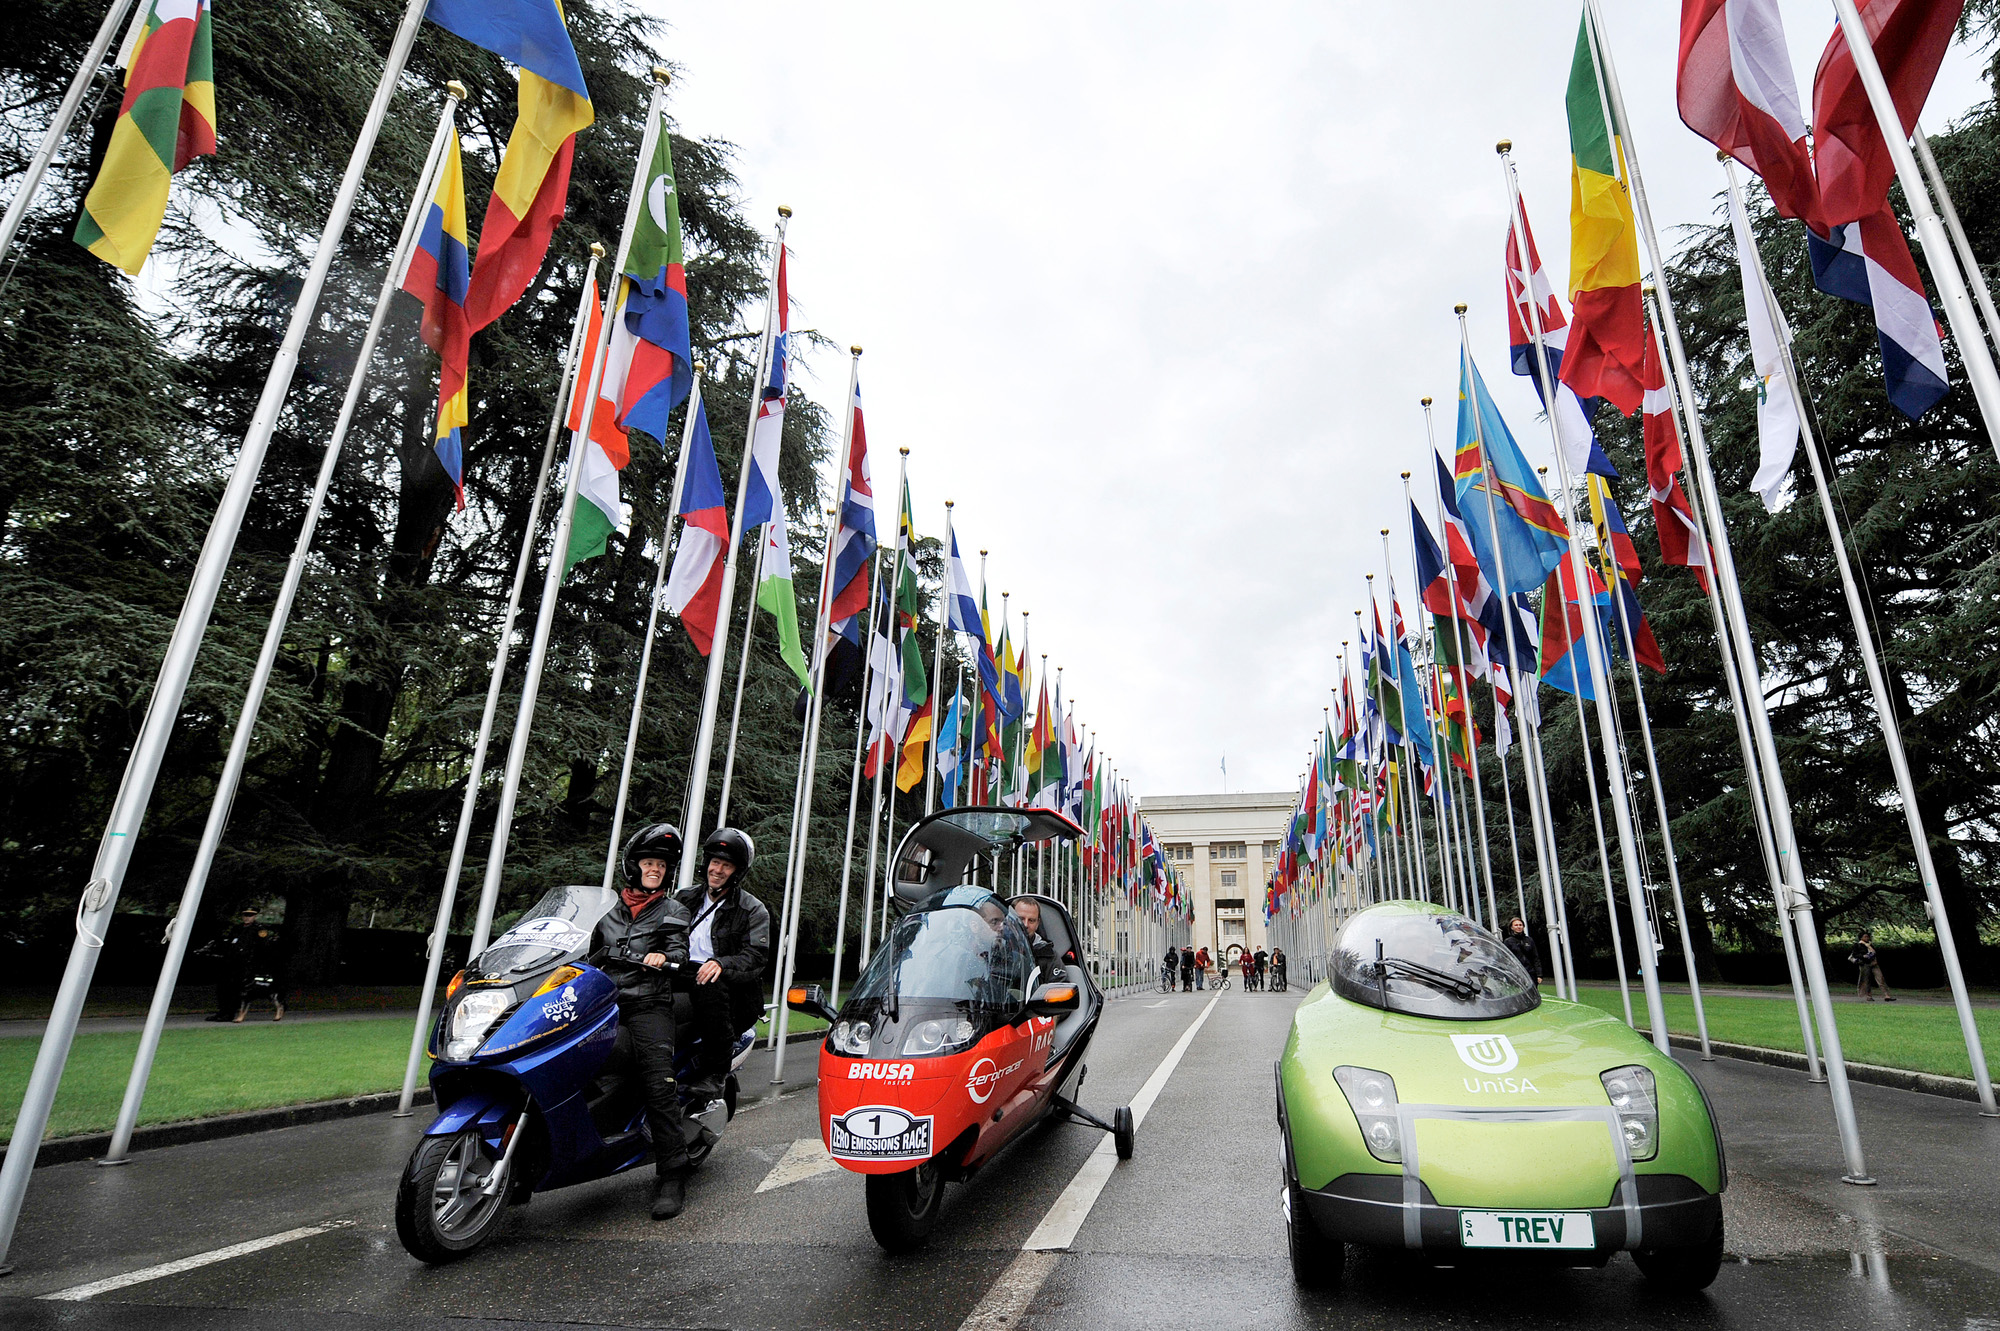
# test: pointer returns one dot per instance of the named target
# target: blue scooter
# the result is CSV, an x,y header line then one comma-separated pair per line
x,y
527,1088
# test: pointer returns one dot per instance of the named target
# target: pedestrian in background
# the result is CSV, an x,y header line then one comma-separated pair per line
x,y
1201,969
1522,944
1869,964
1263,966
1187,970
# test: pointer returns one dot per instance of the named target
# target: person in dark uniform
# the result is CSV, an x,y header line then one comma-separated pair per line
x,y
1522,944
640,941
729,942
1263,966
227,948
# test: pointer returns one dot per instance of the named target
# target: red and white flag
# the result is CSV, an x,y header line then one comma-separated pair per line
x,y
1735,89
1673,518
1851,157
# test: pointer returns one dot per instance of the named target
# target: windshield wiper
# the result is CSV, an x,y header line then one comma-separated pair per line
x,y
1436,979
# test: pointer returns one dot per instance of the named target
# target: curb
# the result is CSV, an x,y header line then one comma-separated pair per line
x,y
1873,1074
89,1146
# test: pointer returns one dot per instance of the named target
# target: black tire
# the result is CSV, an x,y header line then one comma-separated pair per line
x,y
1317,1261
729,1092
1685,1269
441,1211
903,1208
1123,1131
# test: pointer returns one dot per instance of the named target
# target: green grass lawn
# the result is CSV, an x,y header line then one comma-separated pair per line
x,y
129,1000
1919,1037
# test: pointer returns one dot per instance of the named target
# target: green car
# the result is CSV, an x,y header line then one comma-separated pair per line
x,y
1430,1098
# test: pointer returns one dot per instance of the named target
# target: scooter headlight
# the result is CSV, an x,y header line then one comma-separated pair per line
x,y
1637,1104
475,1015
938,1037
1372,1097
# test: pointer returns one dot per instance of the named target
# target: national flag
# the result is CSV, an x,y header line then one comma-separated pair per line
x,y
854,539
950,761
1869,263
601,454
1673,516
694,584
962,612
762,500
1618,561
649,369
1531,534
1735,89
437,276
1608,337
1461,731
885,691
1572,415
774,593
1850,157
1415,722
1565,655
532,185
166,120
1777,413
916,738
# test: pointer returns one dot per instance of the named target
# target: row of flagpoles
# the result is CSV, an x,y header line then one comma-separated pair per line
x,y
1358,829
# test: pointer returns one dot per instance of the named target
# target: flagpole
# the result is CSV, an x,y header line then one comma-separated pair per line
x,y
652,629
1413,781
1973,348
892,693
181,926
1784,834
38,165
1885,714
742,673
785,885
854,775
1974,274
711,689
937,661
135,788
552,579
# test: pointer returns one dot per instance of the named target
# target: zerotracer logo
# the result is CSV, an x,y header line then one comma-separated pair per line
x,y
1486,1053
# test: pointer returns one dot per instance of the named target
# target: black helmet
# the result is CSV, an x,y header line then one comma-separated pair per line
x,y
731,844
660,841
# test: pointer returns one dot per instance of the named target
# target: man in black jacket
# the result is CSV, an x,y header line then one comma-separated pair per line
x,y
639,944
729,940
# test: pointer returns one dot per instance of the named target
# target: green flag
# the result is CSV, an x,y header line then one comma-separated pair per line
x,y
774,593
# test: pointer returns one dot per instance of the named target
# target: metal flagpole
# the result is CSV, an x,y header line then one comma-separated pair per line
x,y
1892,734
785,884
854,775
552,580
135,788
1595,648
711,689
1413,780
1754,786
652,628
448,895
1783,834
937,662
1973,349
182,925
1975,275
1603,856
38,165
1535,764
742,674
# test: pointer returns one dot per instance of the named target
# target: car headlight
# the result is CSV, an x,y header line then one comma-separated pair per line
x,y
938,1037
1372,1097
851,1037
474,1016
1635,1101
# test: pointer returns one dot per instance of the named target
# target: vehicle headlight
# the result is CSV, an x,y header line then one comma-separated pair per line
x,y
1634,1100
474,1016
1372,1097
938,1037
851,1037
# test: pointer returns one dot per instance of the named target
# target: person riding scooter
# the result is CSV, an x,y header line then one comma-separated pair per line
x,y
729,939
636,942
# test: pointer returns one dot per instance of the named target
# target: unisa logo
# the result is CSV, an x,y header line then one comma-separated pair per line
x,y
1486,1053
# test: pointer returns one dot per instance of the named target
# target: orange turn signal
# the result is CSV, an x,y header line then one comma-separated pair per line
x,y
457,983
795,995
1059,994
558,977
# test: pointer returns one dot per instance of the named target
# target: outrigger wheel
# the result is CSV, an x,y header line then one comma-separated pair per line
x,y
1122,1126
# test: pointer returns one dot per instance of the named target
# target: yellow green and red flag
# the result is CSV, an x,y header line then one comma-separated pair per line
x,y
1607,331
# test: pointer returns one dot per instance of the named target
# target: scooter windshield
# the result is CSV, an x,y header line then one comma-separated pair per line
x,y
1426,961
947,975
553,929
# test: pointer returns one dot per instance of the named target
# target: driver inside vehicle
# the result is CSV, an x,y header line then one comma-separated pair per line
x,y
1029,912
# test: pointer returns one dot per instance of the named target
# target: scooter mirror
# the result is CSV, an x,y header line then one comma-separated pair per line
x,y
1053,999
810,1000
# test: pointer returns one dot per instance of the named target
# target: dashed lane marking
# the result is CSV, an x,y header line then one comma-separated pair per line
x,y
803,1159
78,1293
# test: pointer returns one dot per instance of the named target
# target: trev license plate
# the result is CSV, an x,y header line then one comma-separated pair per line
x,y
1525,1229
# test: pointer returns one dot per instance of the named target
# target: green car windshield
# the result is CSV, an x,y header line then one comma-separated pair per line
x,y
1429,963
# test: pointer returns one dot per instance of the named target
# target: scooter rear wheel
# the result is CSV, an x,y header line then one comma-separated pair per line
x,y
443,1211
903,1208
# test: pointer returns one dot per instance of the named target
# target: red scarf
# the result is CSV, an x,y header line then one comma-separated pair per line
x,y
638,898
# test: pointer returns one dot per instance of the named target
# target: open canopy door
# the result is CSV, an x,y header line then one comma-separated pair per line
x,y
965,846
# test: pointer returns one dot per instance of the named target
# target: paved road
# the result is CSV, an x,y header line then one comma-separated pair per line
x,y
1187,1234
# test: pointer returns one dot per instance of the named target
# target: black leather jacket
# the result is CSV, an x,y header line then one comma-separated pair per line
x,y
622,942
740,934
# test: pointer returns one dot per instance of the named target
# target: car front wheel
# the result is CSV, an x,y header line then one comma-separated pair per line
x,y
1686,1268
1317,1260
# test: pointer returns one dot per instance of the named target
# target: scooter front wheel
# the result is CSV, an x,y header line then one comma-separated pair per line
x,y
903,1208
446,1205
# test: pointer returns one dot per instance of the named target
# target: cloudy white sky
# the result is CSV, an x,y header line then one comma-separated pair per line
x,y
1152,291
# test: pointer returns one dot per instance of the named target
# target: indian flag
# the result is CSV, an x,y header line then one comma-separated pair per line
x,y
600,455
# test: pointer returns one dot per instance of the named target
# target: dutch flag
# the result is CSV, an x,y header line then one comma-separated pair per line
x,y
1869,263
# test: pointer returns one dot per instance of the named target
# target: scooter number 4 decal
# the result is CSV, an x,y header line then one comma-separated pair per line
x,y
879,1132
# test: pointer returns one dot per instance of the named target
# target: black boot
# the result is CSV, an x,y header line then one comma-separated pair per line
x,y
671,1196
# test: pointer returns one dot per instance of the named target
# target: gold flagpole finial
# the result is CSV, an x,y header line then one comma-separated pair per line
x,y
661,76
456,89
1504,147
597,249
784,211
855,350
1458,308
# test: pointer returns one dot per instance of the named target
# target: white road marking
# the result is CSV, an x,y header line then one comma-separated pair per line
x,y
1005,1303
1161,1003
77,1293
1058,1228
803,1159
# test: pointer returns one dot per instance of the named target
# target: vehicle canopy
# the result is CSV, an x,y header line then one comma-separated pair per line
x,y
966,845
1423,960
553,930
952,971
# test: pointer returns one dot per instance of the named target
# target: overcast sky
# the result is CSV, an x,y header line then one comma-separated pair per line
x,y
1152,291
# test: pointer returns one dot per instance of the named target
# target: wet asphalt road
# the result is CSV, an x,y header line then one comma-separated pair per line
x,y
1187,1234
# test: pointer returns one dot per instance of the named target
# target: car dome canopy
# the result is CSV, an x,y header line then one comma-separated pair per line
x,y
1423,960
944,849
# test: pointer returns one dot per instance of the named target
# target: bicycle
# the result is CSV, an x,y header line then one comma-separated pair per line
x,y
1170,976
1221,983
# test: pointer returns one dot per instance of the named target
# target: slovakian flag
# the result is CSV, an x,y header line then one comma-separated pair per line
x,y
438,275
1608,337
1869,263
1735,89
1673,517
694,584
1565,656
1850,157
761,500
1572,414
854,539
1520,536
532,185
649,369
166,120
